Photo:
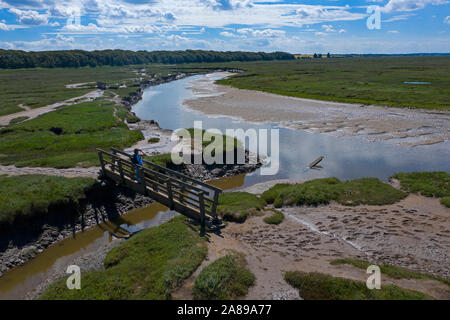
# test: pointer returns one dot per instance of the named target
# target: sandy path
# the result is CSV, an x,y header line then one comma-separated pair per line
x,y
33,113
410,127
91,172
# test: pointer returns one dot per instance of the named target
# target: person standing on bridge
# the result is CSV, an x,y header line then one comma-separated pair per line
x,y
136,158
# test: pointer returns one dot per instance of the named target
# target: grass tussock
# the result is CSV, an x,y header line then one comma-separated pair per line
x,y
391,271
28,195
318,286
238,206
163,160
429,184
225,279
369,191
275,218
18,119
153,140
67,137
148,266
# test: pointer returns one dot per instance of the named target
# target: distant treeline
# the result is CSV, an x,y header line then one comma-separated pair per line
x,y
13,59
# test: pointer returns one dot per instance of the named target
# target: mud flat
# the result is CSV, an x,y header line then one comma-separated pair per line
x,y
411,127
414,234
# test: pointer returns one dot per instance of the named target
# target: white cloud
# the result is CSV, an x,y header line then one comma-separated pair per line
x,y
5,27
207,13
447,20
393,31
328,28
227,34
399,17
410,5
342,31
266,33
30,17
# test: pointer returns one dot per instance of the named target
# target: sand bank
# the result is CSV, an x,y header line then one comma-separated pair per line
x,y
411,127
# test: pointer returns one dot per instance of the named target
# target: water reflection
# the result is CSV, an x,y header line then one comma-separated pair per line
x,y
345,157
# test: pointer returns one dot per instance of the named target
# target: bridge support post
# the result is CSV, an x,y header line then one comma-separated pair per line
x,y
102,163
122,178
202,213
214,205
170,193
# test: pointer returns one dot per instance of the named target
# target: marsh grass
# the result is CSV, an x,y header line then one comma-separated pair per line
x,y
238,206
163,160
391,271
225,279
153,140
318,286
369,191
27,196
150,265
363,80
275,218
67,137
18,119
429,184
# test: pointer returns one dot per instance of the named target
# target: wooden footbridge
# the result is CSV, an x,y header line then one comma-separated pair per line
x,y
190,197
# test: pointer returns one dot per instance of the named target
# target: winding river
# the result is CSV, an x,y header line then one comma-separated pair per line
x,y
345,158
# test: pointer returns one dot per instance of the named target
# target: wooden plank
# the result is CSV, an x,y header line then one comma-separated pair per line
x,y
214,204
202,214
169,193
315,162
176,194
180,175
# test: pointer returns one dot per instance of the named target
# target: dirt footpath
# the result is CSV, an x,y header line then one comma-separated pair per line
x,y
33,113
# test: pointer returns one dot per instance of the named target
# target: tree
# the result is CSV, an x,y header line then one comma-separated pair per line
x,y
79,58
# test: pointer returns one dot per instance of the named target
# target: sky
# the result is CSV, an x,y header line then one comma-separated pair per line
x,y
322,26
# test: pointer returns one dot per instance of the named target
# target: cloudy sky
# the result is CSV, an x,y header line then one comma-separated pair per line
x,y
295,26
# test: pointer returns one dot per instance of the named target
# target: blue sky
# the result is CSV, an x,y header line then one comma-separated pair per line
x,y
335,26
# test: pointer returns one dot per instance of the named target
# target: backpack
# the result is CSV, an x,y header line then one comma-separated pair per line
x,y
134,159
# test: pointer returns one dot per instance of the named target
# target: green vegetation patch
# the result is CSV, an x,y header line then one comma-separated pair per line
x,y
153,140
238,206
125,115
363,80
225,279
18,119
26,86
428,184
29,195
275,218
446,201
67,137
391,271
163,160
370,191
148,266
318,286
208,137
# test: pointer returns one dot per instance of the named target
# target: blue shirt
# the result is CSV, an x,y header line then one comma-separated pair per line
x,y
139,159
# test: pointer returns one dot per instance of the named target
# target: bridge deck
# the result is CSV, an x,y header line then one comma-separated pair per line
x,y
181,193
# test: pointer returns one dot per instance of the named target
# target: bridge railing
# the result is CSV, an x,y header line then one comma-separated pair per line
x,y
171,185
